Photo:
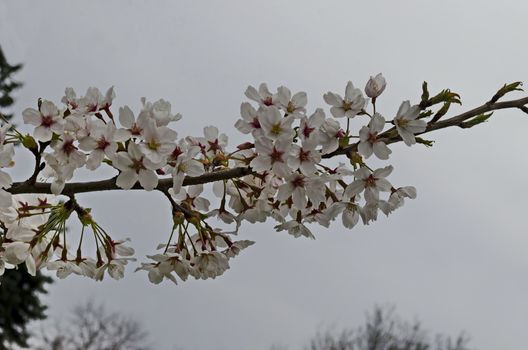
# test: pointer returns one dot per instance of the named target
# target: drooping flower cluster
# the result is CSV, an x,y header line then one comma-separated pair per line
x,y
285,173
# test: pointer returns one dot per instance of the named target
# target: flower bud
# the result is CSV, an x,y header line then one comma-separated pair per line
x,y
29,142
245,145
375,86
178,218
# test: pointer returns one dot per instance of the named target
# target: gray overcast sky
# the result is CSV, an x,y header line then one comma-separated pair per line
x,y
456,257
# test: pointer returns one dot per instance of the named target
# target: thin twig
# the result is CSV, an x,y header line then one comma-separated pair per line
x,y
164,184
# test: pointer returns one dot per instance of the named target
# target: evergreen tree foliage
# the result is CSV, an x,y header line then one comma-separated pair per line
x,y
19,291
7,84
19,304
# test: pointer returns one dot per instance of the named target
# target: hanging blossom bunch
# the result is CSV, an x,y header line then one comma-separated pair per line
x,y
286,171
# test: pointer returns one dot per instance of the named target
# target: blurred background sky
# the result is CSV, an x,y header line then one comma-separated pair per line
x,y
455,258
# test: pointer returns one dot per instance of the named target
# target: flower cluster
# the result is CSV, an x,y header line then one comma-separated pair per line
x,y
287,173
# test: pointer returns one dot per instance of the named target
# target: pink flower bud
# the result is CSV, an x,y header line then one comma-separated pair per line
x,y
375,86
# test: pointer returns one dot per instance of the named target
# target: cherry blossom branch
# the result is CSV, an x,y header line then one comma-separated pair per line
x,y
288,182
457,120
110,184
165,184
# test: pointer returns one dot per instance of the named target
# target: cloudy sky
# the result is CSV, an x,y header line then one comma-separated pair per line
x,y
455,258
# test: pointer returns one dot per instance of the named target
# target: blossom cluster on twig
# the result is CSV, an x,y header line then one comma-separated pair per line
x,y
285,172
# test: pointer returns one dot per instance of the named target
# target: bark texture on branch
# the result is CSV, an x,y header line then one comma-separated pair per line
x,y
164,184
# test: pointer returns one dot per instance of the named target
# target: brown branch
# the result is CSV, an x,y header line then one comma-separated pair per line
x,y
164,184
109,184
453,121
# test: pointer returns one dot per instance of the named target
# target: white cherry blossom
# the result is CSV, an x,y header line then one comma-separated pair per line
x,y
160,112
134,166
350,106
370,182
250,122
47,121
369,141
272,156
309,128
304,157
407,124
275,125
263,96
292,105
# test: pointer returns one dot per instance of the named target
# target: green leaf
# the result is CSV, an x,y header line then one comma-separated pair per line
x,y
425,92
441,112
446,96
505,89
475,121
427,143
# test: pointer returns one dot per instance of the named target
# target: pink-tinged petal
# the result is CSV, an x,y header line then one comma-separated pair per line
x,y
283,144
284,95
356,187
5,199
135,151
350,218
122,135
263,146
404,107
31,266
308,168
57,186
94,159
383,185
42,133
263,90
122,161
371,195
317,119
362,173
261,163
383,172
32,116
88,144
299,198
409,191
350,92
285,191
281,169
416,126
211,133
177,182
247,111
243,126
381,150
194,168
377,123
195,190
407,136
337,112
48,108
201,204
333,99
111,150
300,99
412,113
5,179
365,149
252,94
364,134
148,179
294,162
127,179
126,117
